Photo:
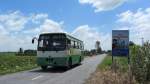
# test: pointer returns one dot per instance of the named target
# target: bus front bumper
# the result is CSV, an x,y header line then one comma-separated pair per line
x,y
52,61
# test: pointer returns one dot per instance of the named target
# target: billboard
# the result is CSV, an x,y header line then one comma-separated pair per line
x,y
120,42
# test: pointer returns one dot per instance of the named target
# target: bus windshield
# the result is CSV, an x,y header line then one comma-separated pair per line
x,y
52,42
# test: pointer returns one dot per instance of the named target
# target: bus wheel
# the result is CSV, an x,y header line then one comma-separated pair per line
x,y
44,67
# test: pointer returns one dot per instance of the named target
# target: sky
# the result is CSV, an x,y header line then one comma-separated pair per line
x,y
88,20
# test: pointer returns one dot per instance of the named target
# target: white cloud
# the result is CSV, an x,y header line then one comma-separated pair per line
x,y
17,29
137,22
47,26
51,26
37,18
103,5
16,34
13,21
90,36
9,43
3,31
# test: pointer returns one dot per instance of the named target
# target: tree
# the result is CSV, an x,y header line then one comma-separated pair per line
x,y
131,43
30,52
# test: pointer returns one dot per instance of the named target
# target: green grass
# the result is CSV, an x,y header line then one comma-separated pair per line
x,y
107,62
7,53
11,63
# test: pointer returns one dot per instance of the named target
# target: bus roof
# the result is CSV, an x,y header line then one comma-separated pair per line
x,y
67,35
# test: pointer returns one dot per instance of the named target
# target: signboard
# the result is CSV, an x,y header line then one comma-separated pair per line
x,y
120,42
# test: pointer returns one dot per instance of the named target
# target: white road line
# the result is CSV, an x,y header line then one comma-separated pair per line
x,y
37,77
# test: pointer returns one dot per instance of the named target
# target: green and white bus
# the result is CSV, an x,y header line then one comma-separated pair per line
x,y
58,49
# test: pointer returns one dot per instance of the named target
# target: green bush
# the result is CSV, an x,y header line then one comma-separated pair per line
x,y
140,62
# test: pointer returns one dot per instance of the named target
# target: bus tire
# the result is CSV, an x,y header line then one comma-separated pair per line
x,y
44,67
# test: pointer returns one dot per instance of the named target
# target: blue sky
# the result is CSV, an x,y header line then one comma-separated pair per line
x,y
69,16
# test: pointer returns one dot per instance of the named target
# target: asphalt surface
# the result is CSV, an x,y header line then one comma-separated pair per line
x,y
76,75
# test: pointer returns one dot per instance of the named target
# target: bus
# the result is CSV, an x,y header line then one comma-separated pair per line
x,y
58,49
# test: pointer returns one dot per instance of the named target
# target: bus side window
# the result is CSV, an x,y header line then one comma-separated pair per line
x,y
80,46
75,45
68,43
72,44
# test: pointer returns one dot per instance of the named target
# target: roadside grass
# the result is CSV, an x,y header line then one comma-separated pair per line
x,y
106,74
11,63
122,63
105,63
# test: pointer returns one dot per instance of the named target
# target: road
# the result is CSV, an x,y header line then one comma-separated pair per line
x,y
76,75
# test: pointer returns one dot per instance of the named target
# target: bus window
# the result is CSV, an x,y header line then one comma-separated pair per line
x,y
81,46
71,43
41,43
50,43
74,46
78,45
68,43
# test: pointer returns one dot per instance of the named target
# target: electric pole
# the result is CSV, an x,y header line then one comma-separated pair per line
x,y
142,39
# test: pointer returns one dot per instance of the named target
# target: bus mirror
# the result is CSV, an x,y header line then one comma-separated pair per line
x,y
32,41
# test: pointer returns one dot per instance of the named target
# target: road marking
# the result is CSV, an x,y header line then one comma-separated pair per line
x,y
37,77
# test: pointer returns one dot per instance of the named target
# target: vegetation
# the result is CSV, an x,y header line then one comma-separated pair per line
x,y
10,63
26,52
97,50
30,52
105,63
137,73
108,73
7,53
122,63
140,63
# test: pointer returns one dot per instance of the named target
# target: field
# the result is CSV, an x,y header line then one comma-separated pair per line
x,y
9,63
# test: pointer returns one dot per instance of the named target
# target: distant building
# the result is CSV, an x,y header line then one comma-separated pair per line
x,y
98,48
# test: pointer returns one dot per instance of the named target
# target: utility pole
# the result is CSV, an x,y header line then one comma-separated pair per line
x,y
142,41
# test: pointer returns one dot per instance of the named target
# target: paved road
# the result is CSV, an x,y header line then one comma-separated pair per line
x,y
75,75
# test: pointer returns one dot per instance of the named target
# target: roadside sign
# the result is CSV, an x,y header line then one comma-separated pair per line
x,y
120,42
